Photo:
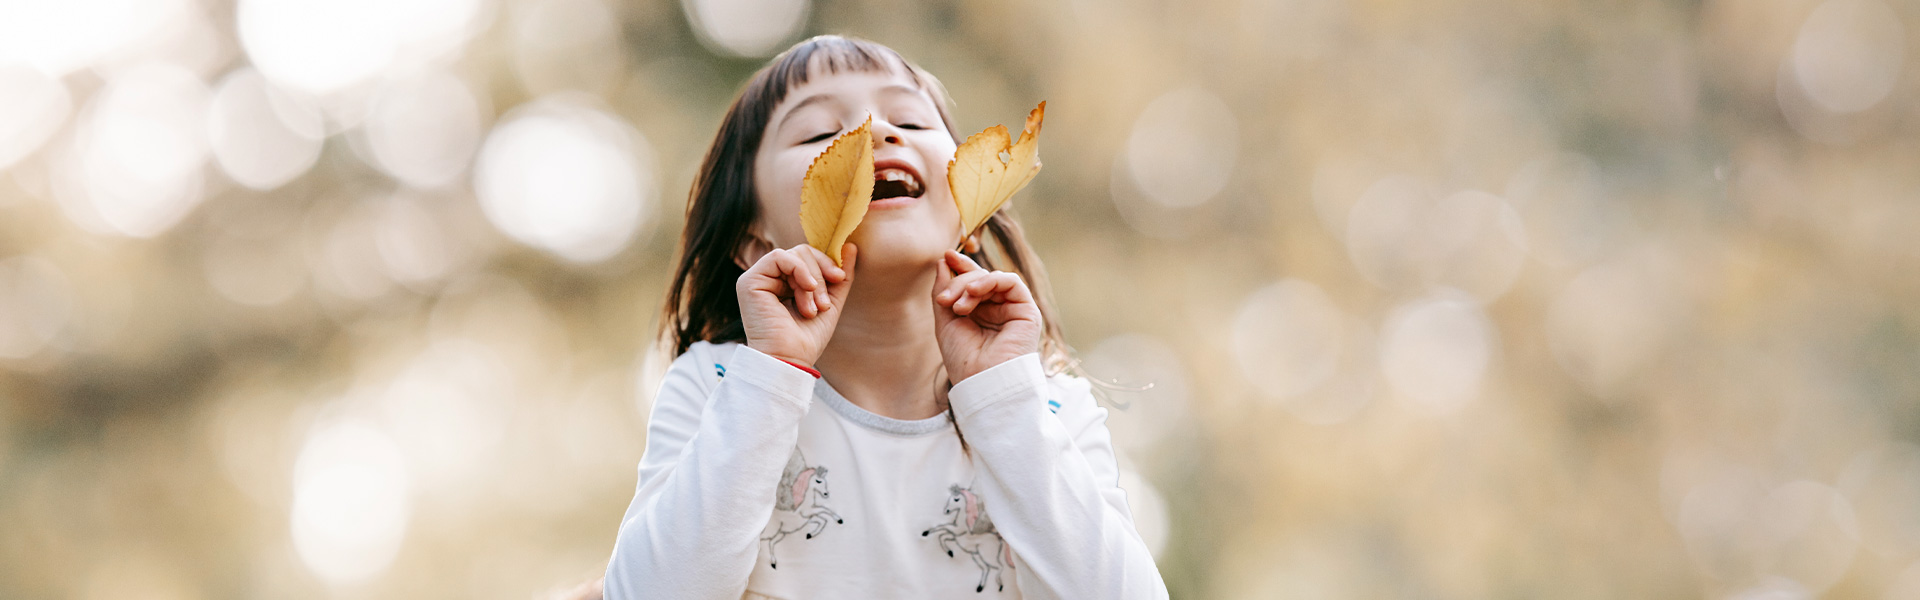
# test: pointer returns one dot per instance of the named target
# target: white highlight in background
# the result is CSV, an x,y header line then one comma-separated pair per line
x,y
261,136
1287,338
135,164
350,501
423,129
748,28
1435,350
32,108
1183,148
322,46
563,176
1848,55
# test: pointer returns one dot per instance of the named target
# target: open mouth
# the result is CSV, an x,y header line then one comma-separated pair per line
x,y
890,181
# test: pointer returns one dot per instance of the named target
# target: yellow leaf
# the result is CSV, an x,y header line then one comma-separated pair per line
x,y
982,181
839,184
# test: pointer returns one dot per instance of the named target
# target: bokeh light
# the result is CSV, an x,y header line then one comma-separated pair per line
x,y
423,129
351,501
453,404
1287,338
35,303
747,27
566,45
1883,484
1613,319
32,108
58,37
136,165
262,137
1436,350
322,46
1183,148
562,176
1849,54
1402,236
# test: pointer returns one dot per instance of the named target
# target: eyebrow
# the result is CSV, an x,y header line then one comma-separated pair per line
x,y
817,98
803,104
899,88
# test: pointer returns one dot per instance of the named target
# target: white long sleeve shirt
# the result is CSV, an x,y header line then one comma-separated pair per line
x,y
760,481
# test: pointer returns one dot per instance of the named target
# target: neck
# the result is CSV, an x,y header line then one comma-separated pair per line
x,y
883,356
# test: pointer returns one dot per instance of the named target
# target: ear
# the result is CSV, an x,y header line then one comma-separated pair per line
x,y
752,249
972,244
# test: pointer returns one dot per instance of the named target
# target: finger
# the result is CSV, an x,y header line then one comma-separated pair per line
x,y
964,299
942,279
997,286
957,288
809,259
1002,286
961,263
804,303
792,268
967,301
822,265
830,272
839,290
849,252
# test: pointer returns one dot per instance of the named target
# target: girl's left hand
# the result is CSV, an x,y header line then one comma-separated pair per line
x,y
982,318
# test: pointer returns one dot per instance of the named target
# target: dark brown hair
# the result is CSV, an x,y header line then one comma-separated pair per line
x,y
723,206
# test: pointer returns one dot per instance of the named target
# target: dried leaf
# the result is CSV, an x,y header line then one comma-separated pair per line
x,y
839,184
982,180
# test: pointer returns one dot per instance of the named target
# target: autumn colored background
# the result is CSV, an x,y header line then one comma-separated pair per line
x,y
1461,299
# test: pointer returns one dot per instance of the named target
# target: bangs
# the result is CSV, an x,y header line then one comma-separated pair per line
x,y
832,54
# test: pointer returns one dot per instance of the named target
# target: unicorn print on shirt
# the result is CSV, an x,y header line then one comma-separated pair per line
x,y
797,504
971,531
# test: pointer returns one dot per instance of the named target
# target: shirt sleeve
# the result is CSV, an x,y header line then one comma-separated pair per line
x,y
1052,486
707,479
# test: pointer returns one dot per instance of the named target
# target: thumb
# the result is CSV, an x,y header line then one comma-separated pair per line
x,y
942,276
849,254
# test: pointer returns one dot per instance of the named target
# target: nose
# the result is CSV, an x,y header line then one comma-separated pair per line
x,y
885,133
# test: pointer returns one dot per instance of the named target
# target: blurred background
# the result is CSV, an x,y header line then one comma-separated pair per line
x,y
1463,299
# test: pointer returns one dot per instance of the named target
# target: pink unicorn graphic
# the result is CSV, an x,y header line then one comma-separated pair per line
x,y
972,532
797,504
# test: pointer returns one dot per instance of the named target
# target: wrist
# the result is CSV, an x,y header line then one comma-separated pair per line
x,y
785,356
810,370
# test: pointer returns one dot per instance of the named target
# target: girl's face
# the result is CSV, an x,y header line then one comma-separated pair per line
x,y
912,219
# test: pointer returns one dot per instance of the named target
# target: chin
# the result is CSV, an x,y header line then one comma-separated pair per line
x,y
888,247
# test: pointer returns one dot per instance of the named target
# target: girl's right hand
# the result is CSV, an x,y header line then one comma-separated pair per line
x,y
791,300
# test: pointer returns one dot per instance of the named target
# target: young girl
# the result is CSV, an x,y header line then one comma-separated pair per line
x,y
894,427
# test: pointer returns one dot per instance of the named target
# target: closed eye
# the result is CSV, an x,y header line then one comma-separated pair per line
x,y
910,126
821,137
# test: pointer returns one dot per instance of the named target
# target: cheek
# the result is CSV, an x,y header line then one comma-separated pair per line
x,y
940,195
778,185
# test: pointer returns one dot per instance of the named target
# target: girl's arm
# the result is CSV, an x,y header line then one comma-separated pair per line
x,y
714,456
1051,484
